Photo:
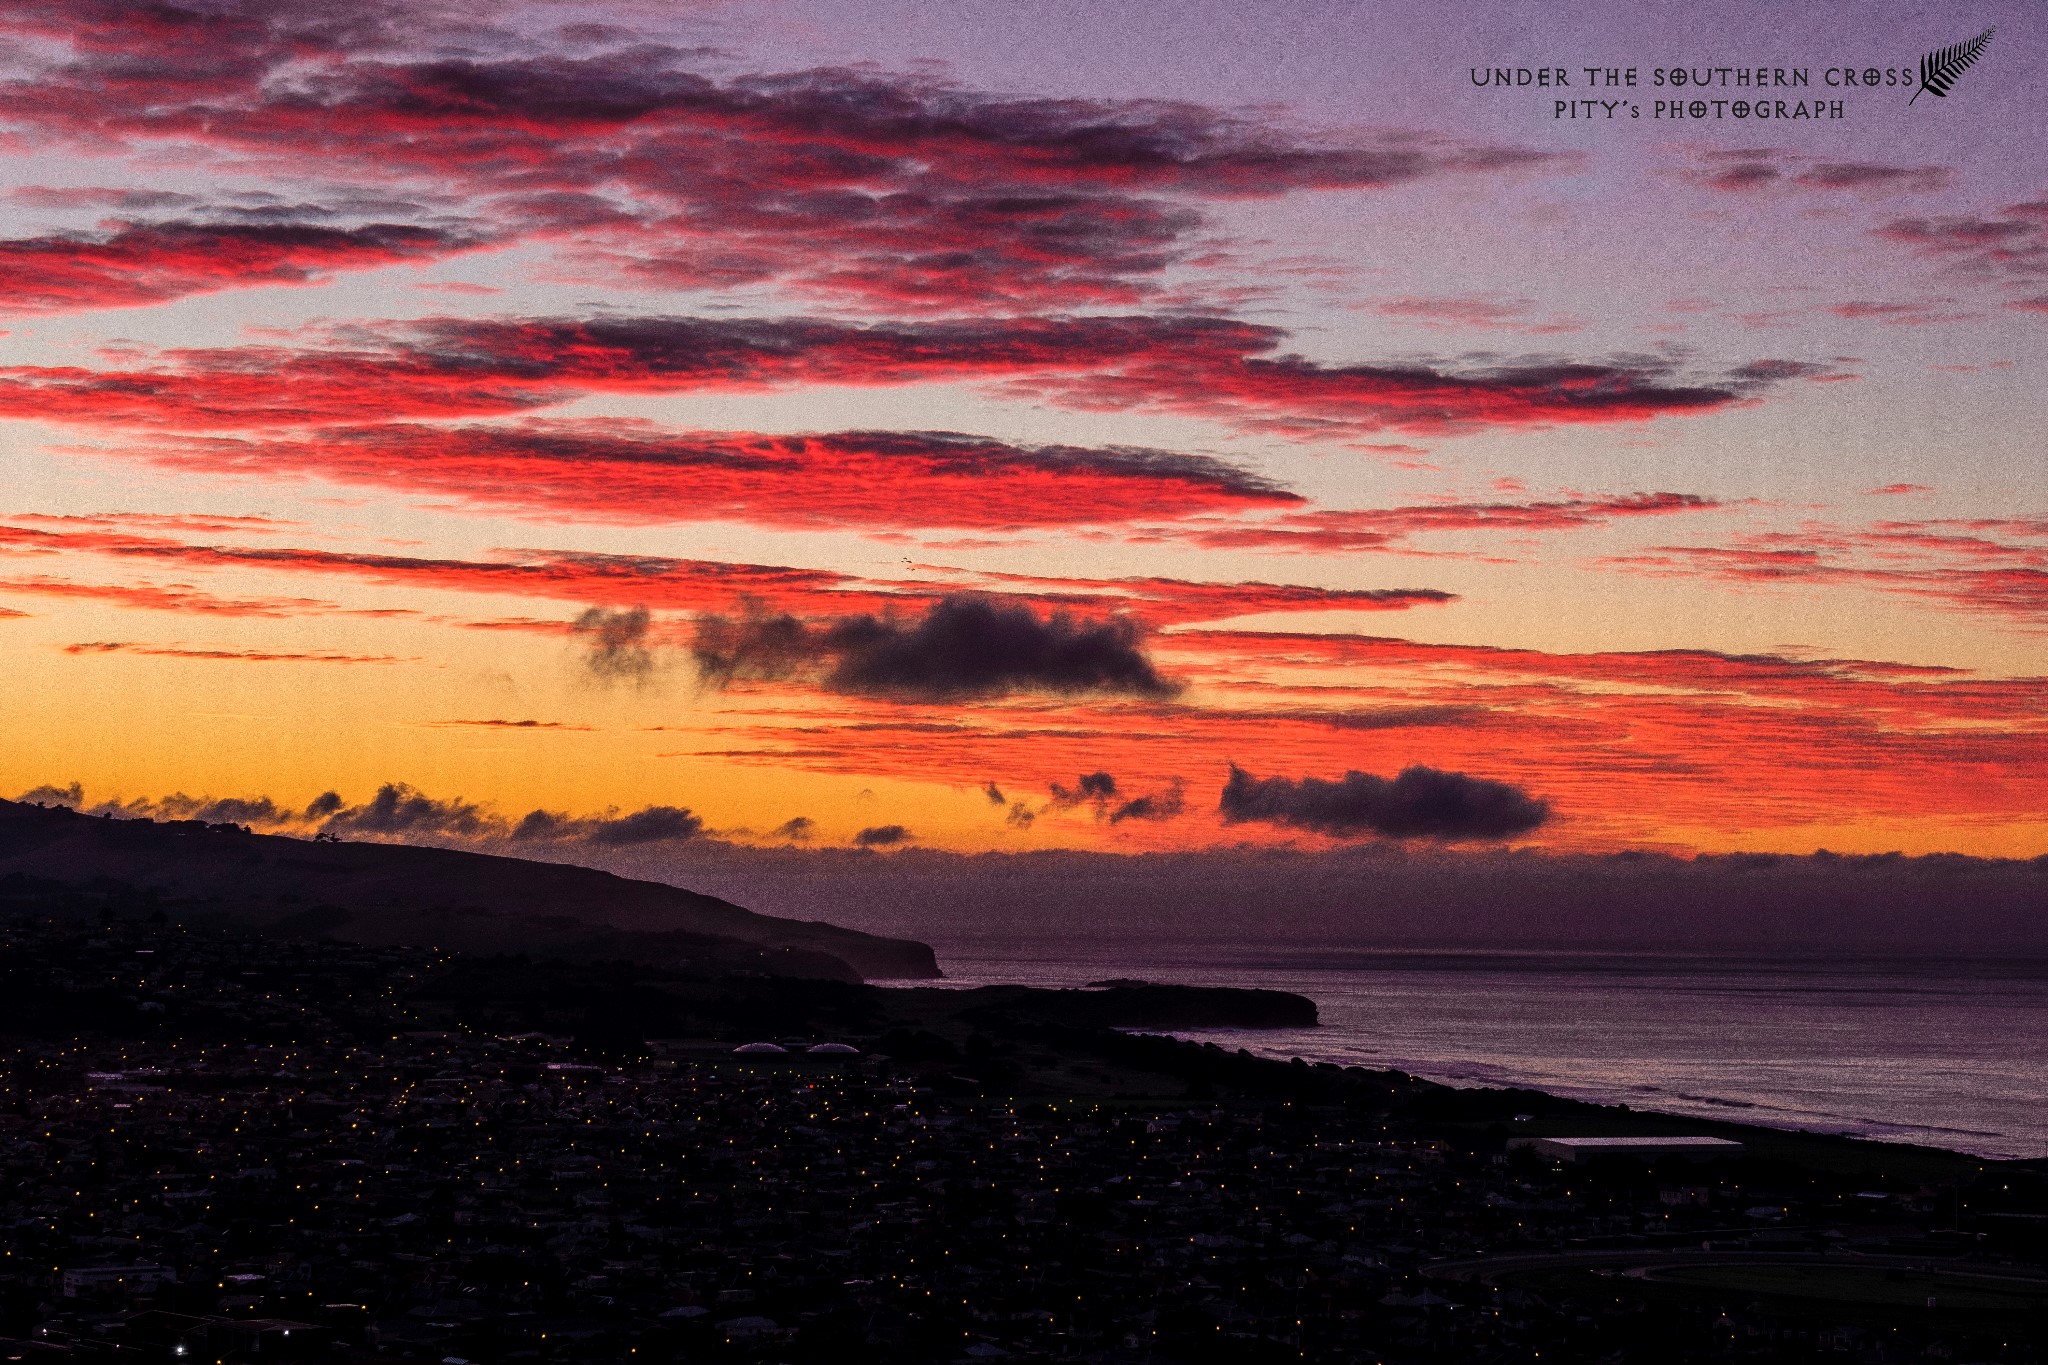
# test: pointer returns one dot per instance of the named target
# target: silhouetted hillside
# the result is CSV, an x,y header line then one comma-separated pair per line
x,y
392,893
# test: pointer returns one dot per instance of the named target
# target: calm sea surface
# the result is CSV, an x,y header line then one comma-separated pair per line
x,y
1946,1052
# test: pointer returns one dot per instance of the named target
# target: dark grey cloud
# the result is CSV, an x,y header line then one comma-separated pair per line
x,y
1420,803
964,647
995,795
1159,805
398,809
755,647
72,796
650,824
232,810
403,813
1094,788
647,825
213,810
616,643
881,836
796,829
1111,801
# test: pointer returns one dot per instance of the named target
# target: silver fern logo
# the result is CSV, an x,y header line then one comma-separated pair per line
x,y
1938,70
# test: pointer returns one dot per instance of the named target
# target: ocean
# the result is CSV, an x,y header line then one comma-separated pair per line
x,y
1945,1052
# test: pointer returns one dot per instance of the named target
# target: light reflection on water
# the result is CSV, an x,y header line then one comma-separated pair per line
x,y
1947,1052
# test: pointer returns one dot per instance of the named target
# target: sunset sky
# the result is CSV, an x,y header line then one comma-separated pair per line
x,y
1131,426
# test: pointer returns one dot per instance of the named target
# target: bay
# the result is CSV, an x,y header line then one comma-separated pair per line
x,y
1944,1051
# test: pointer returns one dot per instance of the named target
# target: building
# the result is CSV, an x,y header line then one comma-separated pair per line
x,y
1576,1149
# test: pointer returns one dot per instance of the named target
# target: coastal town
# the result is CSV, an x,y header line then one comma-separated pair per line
x,y
266,1149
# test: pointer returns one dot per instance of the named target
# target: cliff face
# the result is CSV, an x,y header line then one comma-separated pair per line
x,y
395,893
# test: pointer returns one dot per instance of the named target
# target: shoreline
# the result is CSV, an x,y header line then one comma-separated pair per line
x,y
1860,1048
1610,1101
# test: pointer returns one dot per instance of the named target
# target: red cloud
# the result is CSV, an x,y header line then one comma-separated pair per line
x,y
633,474
1695,670
451,367
509,724
2008,246
1915,314
145,263
255,656
192,524
655,581
691,585
1662,746
1208,367
2012,241
260,387
1629,745
1755,169
1176,601
1866,175
903,191
1982,565
166,597
1294,397
1354,531
906,254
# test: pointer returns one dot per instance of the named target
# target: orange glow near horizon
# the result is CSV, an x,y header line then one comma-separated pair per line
x,y
999,461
